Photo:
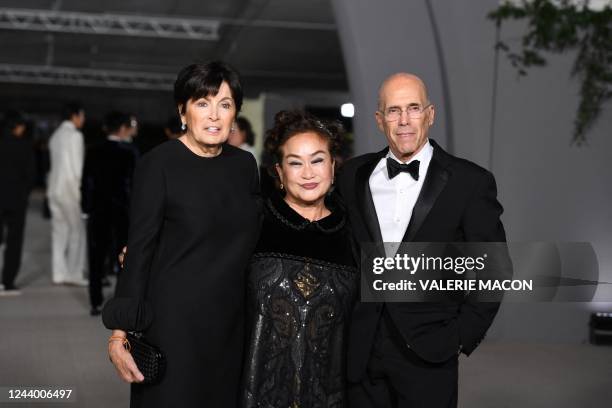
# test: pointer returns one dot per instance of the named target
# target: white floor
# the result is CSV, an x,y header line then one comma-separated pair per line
x,y
48,339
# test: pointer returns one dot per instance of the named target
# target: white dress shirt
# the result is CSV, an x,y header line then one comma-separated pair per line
x,y
394,199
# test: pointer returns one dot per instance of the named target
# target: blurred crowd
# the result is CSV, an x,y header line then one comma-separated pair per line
x,y
85,169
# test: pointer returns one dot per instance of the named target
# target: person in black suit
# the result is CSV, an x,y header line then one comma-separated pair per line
x,y
17,171
106,187
406,354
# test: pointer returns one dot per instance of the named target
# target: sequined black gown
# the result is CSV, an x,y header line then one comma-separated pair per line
x,y
302,284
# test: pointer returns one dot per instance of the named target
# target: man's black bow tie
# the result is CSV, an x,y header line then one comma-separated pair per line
x,y
394,168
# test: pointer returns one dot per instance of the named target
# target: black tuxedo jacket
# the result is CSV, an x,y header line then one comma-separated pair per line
x,y
457,203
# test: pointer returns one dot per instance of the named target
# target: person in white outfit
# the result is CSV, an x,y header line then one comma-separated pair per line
x,y
68,236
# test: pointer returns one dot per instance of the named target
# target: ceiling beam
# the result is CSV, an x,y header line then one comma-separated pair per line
x,y
135,80
138,26
108,24
32,74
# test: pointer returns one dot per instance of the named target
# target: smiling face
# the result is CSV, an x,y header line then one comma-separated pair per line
x,y
209,119
306,169
405,135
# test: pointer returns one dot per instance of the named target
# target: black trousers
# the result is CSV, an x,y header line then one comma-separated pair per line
x,y
13,220
106,235
397,377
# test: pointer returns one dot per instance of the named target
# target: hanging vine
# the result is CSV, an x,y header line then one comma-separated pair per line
x,y
560,26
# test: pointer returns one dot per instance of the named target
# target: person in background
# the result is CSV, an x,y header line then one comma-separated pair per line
x,y
17,174
242,136
68,236
106,189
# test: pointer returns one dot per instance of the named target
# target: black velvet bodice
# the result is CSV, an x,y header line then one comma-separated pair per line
x,y
285,231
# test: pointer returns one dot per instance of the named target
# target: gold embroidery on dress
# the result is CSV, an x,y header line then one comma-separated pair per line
x,y
306,283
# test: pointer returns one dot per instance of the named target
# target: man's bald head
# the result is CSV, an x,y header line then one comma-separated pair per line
x,y
404,114
401,79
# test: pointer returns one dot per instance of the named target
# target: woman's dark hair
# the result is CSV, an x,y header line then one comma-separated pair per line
x,y
245,126
200,80
293,122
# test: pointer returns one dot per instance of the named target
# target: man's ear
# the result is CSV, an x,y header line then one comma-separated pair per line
x,y
380,120
431,116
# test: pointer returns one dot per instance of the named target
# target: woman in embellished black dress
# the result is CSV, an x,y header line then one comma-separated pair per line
x,y
302,279
194,222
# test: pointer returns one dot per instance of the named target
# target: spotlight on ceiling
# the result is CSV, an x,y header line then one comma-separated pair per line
x,y
347,110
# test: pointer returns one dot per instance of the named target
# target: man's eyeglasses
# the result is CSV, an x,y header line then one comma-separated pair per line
x,y
394,113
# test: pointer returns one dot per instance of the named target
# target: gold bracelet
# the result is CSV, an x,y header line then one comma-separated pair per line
x,y
124,340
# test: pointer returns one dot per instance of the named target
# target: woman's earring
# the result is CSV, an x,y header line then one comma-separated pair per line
x,y
281,186
183,127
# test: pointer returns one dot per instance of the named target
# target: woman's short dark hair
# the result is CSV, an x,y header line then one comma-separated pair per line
x,y
293,122
245,126
200,80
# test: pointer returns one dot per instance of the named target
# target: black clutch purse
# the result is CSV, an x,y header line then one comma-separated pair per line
x,y
149,359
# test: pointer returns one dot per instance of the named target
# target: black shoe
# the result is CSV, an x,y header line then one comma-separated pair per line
x,y
95,311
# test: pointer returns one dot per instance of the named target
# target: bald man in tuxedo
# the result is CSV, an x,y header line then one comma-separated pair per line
x,y
406,354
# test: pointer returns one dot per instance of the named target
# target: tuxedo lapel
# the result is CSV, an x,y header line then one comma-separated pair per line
x,y
435,180
364,197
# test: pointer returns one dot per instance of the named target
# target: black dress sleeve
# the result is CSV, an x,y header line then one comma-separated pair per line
x,y
129,309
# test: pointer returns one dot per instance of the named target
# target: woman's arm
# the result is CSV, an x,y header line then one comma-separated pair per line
x,y
129,310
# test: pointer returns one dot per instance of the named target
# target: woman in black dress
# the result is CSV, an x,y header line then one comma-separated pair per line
x,y
302,280
194,222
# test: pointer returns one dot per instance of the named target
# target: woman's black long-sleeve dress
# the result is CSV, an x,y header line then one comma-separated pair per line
x,y
302,284
194,224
